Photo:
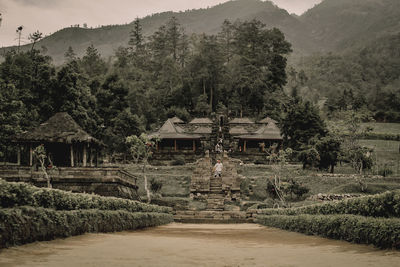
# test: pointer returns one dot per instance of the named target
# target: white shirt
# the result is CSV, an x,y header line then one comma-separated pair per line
x,y
218,167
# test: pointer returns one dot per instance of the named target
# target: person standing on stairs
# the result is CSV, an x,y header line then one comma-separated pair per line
x,y
218,168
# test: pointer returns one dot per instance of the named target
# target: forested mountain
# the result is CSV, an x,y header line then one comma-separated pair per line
x,y
108,38
332,25
341,24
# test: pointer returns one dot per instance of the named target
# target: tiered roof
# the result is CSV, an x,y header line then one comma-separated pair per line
x,y
171,131
266,132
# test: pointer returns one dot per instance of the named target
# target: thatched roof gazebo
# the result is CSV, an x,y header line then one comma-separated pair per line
x,y
66,143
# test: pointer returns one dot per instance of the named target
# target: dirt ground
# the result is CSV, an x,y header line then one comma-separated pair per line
x,y
198,245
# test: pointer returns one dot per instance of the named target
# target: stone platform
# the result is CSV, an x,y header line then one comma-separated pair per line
x,y
210,216
104,181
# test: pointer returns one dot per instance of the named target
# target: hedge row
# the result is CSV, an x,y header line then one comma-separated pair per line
x,y
22,194
381,232
381,205
21,225
381,136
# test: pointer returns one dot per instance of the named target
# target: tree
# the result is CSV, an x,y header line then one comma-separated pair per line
x,y
300,123
70,55
34,38
40,154
329,150
12,111
141,148
92,62
202,107
278,160
19,32
136,40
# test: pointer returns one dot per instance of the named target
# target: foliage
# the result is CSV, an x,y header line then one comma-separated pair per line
x,y
40,154
381,232
141,148
29,224
380,205
301,123
22,194
179,160
155,185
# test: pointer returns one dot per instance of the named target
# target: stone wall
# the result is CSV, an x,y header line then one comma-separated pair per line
x,y
106,181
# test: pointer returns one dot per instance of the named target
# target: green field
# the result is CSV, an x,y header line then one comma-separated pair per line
x,y
383,128
386,154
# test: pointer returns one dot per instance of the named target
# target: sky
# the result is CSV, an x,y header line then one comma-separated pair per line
x,y
49,16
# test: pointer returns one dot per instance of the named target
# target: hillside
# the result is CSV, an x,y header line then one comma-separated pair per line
x,y
341,24
108,38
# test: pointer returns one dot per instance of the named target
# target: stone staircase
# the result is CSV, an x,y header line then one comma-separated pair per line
x,y
215,200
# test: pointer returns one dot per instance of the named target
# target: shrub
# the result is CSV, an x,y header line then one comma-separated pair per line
x,y
21,194
155,185
381,205
179,160
28,224
381,232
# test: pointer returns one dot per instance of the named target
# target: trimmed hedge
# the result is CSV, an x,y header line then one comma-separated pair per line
x,y
381,232
381,136
21,225
381,205
22,194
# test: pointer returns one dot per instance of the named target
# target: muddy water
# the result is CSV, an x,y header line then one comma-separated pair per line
x,y
198,245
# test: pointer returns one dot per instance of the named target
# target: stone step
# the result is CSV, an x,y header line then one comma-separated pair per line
x,y
216,196
212,216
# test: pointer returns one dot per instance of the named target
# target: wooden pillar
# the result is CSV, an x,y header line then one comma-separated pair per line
x,y
30,155
97,157
244,145
194,145
84,158
175,146
19,155
72,155
91,157
157,146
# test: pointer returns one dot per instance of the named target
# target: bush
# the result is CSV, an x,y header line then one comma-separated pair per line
x,y
381,205
381,232
155,185
22,194
28,224
385,171
179,160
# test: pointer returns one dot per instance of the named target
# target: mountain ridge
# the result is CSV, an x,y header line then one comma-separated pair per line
x,y
331,26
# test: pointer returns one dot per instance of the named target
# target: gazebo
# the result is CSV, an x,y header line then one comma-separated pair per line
x,y
267,134
65,142
172,138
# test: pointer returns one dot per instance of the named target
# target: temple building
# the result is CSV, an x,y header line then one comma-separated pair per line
x,y
72,158
242,138
65,142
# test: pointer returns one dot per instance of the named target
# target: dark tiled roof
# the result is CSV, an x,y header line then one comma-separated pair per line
x,y
238,130
241,121
266,132
170,131
201,121
176,120
267,120
203,130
